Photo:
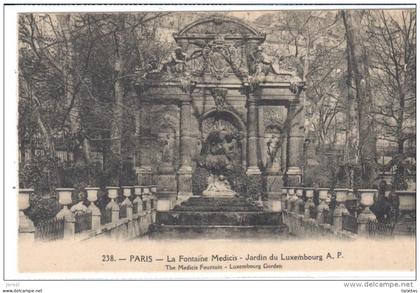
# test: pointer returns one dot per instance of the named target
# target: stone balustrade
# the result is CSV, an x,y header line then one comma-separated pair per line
x,y
339,213
128,218
131,210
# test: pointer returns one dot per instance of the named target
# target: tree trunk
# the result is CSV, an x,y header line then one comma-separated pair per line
x,y
72,98
359,64
117,119
399,176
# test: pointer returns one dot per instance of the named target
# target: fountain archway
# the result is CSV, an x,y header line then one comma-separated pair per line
x,y
233,124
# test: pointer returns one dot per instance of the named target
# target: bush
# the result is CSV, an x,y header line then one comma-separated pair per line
x,y
42,208
237,178
254,186
40,174
199,180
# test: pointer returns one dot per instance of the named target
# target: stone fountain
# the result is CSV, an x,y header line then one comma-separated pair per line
x,y
217,159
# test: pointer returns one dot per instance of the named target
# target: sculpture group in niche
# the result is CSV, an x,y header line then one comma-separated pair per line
x,y
218,156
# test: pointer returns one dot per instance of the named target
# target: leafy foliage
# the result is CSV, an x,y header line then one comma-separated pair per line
x,y
42,208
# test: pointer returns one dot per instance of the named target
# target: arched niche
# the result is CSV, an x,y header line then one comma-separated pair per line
x,y
218,119
273,141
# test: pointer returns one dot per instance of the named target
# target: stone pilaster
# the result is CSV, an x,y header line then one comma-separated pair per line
x,y
143,167
252,149
185,169
295,145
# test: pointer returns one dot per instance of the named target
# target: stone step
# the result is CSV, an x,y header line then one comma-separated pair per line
x,y
217,204
220,204
197,218
204,208
218,232
235,200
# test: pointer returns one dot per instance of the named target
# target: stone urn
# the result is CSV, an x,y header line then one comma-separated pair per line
x,y
112,194
367,200
407,200
127,194
92,194
64,198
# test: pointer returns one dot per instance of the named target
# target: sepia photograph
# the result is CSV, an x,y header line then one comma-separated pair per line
x,y
215,141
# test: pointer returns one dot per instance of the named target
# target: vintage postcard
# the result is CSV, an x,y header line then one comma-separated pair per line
x,y
271,143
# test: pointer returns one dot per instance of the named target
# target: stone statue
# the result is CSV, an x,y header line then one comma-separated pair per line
x,y
167,150
167,158
273,143
258,61
272,146
174,64
262,65
218,186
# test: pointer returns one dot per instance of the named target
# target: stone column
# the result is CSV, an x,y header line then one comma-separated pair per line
x,y
244,149
295,144
185,169
252,145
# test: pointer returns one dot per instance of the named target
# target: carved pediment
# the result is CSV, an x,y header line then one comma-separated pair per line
x,y
218,58
222,49
208,27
